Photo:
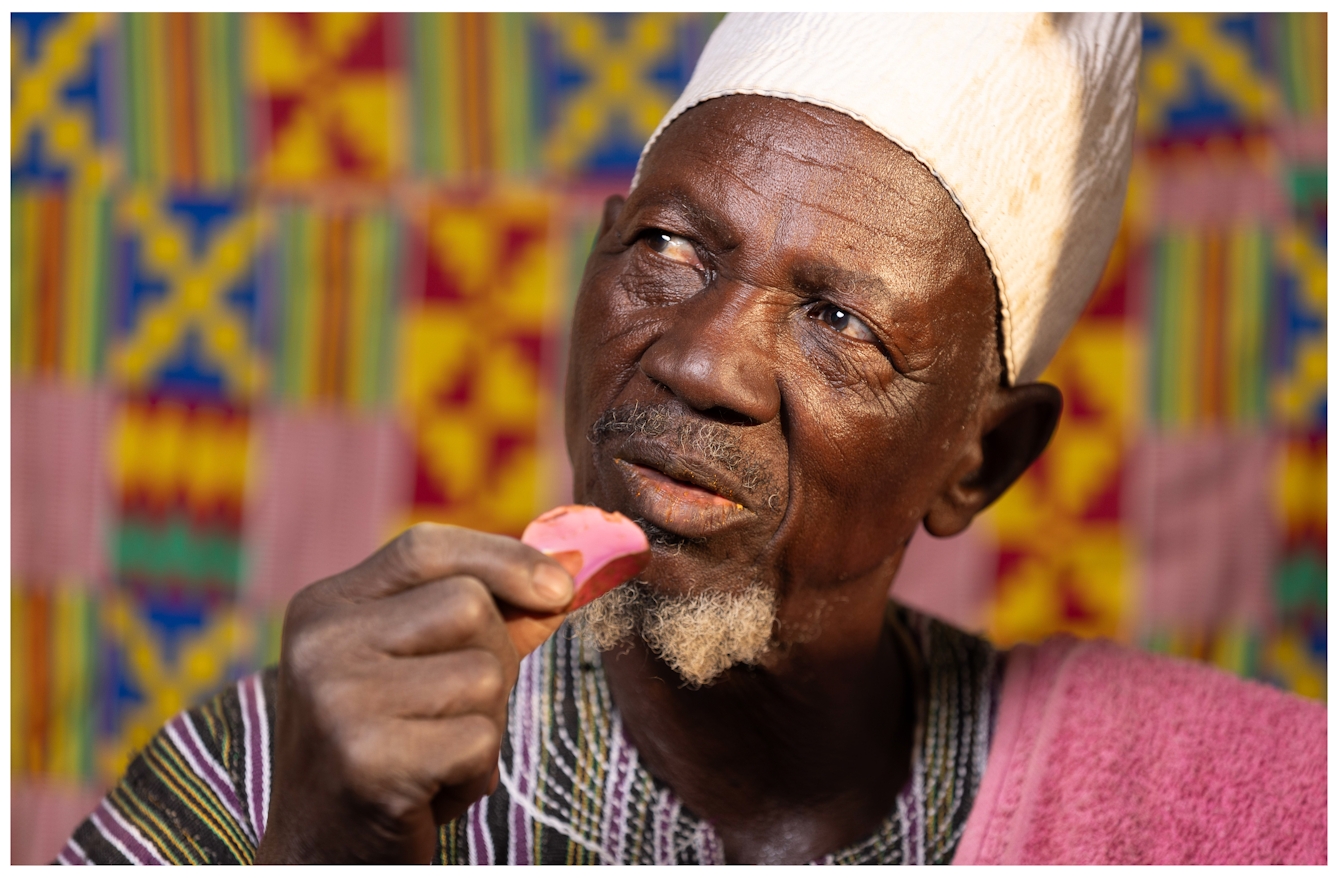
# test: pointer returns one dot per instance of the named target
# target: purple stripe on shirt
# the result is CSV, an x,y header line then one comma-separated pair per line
x,y
664,831
480,853
262,754
184,736
72,855
617,792
254,782
520,840
712,852
526,693
112,826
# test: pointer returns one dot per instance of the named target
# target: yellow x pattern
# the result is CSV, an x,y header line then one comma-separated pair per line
x,y
37,104
200,666
194,300
618,81
1193,39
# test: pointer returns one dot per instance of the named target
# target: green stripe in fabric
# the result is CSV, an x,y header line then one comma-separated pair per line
x,y
177,550
138,97
209,109
426,92
1190,350
234,141
218,145
1246,294
1234,366
384,340
302,311
1308,184
1175,276
292,314
446,75
1265,277
1157,373
102,280
91,633
281,279
131,123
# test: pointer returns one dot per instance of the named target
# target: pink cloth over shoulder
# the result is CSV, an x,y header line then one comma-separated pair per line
x,y
1106,755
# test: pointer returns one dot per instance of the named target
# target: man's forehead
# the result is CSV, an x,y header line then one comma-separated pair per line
x,y
755,131
743,164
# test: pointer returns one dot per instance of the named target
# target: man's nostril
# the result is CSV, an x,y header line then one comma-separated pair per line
x,y
730,416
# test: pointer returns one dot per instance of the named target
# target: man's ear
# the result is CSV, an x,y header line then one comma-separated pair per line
x,y
613,207
1016,427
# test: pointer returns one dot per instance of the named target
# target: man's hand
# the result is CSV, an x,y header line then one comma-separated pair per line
x,y
392,693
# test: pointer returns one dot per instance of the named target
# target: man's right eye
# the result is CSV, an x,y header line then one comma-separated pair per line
x,y
674,248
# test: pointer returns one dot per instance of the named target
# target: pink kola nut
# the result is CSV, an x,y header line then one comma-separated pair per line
x,y
601,550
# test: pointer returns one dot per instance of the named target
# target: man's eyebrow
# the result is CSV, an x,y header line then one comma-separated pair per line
x,y
699,216
816,277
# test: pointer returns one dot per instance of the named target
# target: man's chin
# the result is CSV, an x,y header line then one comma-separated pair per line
x,y
700,636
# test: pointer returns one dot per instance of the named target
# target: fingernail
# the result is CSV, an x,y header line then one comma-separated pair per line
x,y
552,583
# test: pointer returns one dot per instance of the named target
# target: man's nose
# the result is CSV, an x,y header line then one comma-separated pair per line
x,y
718,354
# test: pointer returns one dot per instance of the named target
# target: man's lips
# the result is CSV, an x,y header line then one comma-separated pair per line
x,y
680,492
674,504
688,471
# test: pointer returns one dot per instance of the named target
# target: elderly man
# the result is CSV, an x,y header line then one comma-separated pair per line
x,y
812,325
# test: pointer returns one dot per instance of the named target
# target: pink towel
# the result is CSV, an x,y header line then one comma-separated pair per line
x,y
1106,755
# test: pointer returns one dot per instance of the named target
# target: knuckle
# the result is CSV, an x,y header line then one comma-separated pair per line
x,y
417,552
487,679
309,647
473,607
303,654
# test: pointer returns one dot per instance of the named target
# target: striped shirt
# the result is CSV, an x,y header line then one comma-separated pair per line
x,y
573,789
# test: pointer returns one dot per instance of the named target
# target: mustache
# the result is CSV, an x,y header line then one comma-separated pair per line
x,y
709,440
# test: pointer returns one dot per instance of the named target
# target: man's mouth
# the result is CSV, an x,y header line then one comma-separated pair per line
x,y
677,490
680,500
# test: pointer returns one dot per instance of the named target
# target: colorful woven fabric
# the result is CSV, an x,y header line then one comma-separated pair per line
x,y
61,117
332,293
326,96
284,284
185,121
476,347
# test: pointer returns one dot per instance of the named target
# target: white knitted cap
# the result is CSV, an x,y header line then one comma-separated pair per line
x,y
1026,119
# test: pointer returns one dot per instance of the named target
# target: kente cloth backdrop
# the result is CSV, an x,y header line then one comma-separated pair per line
x,y
283,284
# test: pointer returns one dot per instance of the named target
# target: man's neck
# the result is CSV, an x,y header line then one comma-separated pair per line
x,y
790,760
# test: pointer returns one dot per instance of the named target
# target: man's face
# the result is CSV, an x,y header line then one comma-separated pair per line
x,y
778,348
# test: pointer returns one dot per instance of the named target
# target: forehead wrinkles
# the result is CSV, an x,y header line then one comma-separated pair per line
x,y
824,163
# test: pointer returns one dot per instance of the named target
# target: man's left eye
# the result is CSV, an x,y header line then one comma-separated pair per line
x,y
843,322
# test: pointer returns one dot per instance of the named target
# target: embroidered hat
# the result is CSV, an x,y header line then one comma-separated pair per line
x,y
1026,119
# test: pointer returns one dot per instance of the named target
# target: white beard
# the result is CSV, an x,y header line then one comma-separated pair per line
x,y
700,636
